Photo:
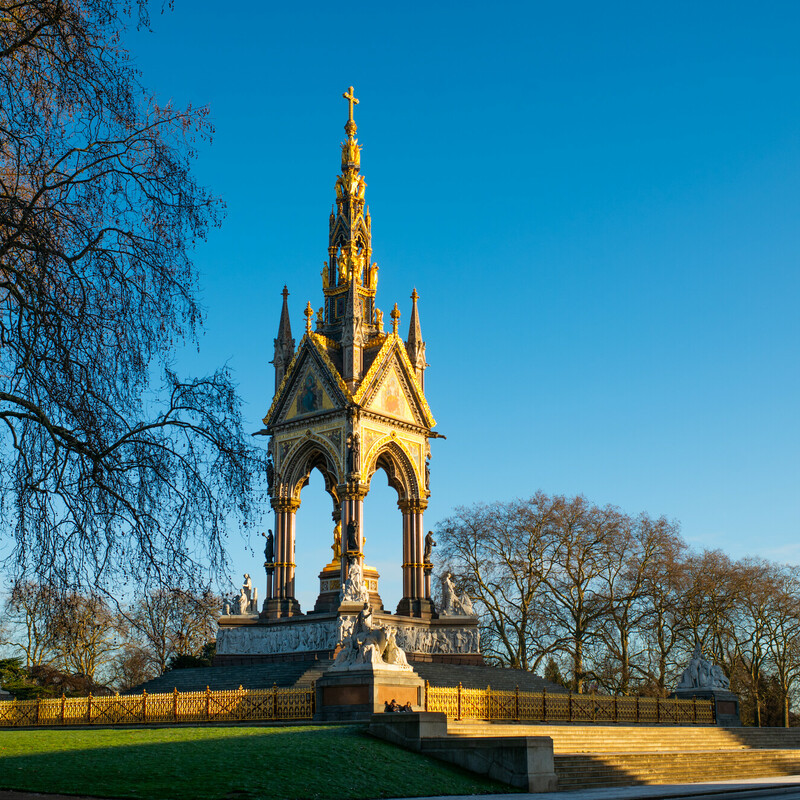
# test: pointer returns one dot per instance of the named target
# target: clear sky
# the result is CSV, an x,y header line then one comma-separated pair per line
x,y
598,204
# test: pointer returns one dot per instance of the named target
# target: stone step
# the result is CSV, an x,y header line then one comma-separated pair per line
x,y
641,740
583,771
256,676
479,677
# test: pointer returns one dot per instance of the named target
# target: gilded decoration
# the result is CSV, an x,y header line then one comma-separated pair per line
x,y
382,445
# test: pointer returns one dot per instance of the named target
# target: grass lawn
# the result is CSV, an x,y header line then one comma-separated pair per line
x,y
231,763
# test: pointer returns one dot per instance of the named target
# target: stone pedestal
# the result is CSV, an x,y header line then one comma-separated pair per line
x,y
726,704
419,607
358,693
330,584
278,607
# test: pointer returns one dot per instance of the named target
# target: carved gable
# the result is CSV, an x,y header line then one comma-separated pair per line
x,y
310,386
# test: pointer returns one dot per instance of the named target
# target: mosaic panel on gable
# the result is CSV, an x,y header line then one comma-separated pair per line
x,y
309,398
390,399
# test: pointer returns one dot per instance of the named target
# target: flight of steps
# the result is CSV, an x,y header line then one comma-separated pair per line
x,y
474,677
303,673
628,755
256,676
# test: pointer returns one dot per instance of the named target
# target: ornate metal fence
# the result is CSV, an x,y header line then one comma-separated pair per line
x,y
240,705
460,703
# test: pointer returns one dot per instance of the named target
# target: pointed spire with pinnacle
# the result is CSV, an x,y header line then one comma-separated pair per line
x,y
284,344
415,347
349,243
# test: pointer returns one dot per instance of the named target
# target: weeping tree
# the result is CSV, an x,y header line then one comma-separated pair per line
x,y
112,466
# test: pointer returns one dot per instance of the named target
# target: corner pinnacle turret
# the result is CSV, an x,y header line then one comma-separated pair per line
x,y
284,343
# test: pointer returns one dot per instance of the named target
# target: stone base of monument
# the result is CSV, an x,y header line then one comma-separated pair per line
x,y
726,704
523,761
358,693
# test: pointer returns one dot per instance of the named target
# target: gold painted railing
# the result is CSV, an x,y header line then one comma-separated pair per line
x,y
239,705
460,703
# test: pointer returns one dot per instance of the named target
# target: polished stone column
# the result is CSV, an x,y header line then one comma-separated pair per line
x,y
415,601
282,602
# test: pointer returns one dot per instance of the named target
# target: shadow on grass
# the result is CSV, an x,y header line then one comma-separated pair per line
x,y
225,764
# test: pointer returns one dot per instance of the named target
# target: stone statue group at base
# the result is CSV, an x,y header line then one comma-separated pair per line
x,y
703,674
370,646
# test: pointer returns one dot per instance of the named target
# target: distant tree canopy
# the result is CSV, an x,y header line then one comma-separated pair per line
x,y
617,602
76,642
111,466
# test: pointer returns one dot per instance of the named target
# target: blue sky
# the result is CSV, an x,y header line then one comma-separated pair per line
x,y
598,205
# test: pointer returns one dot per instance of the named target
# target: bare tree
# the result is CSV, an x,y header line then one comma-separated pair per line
x,y
171,622
665,627
783,623
27,617
637,546
105,475
500,555
85,635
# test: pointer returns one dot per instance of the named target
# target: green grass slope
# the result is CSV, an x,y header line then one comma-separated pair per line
x,y
225,763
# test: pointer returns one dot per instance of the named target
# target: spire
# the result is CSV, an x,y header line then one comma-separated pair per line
x,y
284,344
415,347
352,337
349,261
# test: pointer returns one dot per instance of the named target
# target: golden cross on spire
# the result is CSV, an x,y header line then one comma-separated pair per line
x,y
351,100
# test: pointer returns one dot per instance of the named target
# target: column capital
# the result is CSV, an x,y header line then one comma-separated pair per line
x,y
412,505
352,490
284,504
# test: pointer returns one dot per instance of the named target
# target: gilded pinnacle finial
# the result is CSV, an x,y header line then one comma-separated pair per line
x,y
395,315
414,295
309,313
350,125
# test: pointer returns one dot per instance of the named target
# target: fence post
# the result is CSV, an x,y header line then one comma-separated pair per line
x,y
616,715
488,702
516,704
694,708
427,689
459,701
63,706
658,709
569,707
594,706
38,709
544,705
89,708
274,700
208,702
144,705
175,703
637,707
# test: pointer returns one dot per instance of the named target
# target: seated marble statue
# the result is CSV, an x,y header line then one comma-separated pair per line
x,y
370,647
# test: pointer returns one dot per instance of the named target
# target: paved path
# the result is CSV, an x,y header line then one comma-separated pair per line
x,y
785,787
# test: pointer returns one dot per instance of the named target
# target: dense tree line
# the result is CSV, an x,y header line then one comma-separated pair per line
x,y
81,642
602,600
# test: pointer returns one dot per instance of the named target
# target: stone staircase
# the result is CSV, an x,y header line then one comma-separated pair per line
x,y
256,676
474,677
628,755
303,673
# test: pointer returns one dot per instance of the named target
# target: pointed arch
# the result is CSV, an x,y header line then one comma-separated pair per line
x,y
390,455
312,452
